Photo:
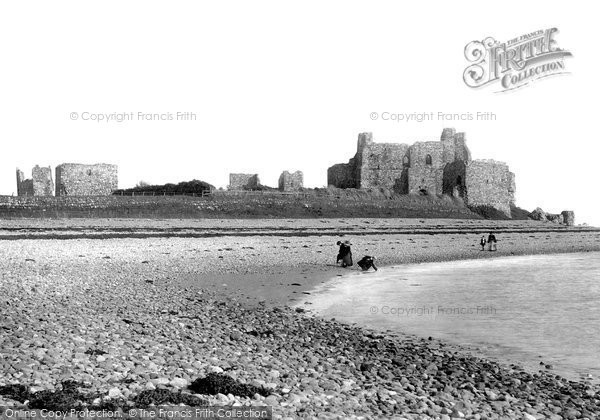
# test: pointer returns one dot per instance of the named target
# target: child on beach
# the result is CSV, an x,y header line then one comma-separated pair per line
x,y
367,262
482,242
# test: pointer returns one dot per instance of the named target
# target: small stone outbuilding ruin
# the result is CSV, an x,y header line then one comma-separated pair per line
x,y
40,183
80,179
242,182
566,217
430,167
291,181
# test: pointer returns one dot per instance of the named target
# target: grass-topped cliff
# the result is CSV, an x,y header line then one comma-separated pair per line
x,y
317,203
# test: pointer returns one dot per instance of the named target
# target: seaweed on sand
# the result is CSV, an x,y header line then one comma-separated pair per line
x,y
60,400
63,399
218,383
165,396
15,392
95,352
70,397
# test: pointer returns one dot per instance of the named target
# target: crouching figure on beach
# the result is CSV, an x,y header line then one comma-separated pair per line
x,y
367,262
344,254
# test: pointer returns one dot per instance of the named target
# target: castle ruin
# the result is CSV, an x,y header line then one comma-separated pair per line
x,y
40,184
241,182
431,167
79,179
291,181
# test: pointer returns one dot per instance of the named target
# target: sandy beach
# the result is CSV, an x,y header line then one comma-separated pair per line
x,y
128,315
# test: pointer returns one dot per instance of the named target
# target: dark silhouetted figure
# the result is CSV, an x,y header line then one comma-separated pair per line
x,y
492,242
482,242
344,254
367,262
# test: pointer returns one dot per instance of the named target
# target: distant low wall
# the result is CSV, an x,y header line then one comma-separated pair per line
x,y
225,205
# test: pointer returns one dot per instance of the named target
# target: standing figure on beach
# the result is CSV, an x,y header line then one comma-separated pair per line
x,y
367,262
482,242
341,252
344,254
492,241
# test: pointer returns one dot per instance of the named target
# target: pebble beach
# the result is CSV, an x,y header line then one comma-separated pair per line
x,y
123,316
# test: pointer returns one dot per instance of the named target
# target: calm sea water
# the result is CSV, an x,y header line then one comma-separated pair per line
x,y
522,309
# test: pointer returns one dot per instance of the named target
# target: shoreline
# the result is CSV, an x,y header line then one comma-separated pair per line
x,y
306,278
479,349
167,311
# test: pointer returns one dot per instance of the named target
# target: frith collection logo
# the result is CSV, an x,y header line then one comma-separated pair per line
x,y
515,63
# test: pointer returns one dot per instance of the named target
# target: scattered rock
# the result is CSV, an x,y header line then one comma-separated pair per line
x,y
179,382
115,393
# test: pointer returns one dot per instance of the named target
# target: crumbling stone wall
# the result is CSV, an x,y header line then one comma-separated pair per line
x,y
79,179
291,181
347,175
555,218
381,165
40,184
426,167
343,175
42,181
488,184
453,183
568,217
512,188
437,167
24,186
240,182
375,165
455,146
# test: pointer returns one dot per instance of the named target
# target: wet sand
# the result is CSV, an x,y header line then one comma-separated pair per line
x,y
289,270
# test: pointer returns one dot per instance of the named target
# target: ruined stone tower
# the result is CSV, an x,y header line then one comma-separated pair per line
x,y
40,184
291,181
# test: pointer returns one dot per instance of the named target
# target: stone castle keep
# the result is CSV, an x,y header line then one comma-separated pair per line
x,y
71,179
431,167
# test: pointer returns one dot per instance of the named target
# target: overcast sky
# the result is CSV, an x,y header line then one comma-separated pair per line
x,y
289,86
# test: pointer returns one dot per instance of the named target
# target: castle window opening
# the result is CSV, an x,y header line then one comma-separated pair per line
x,y
459,180
428,160
89,172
